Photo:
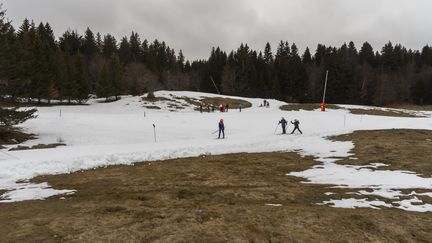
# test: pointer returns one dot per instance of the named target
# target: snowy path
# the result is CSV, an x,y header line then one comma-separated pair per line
x,y
118,133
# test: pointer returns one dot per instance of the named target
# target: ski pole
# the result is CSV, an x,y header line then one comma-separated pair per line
x,y
215,131
154,132
276,128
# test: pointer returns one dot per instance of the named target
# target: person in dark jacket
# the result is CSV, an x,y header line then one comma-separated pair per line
x,y
283,123
221,128
296,126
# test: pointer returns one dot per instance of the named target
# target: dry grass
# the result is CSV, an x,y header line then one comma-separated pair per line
x,y
10,135
156,99
191,101
307,107
216,199
152,107
401,149
38,146
233,103
412,107
377,112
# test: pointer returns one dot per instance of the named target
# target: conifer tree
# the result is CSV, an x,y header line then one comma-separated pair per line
x,y
89,46
116,75
124,51
109,46
135,47
81,77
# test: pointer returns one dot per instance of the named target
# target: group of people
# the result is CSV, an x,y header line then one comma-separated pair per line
x,y
265,104
282,122
222,107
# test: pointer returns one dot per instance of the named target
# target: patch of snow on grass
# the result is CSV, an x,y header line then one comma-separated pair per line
x,y
356,203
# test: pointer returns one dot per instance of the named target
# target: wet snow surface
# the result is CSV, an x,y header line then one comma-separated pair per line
x,y
102,134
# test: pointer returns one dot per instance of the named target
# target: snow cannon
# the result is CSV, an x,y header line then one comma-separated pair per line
x,y
323,106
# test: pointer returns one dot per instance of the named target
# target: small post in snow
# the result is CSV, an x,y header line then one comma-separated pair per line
x,y
60,112
144,114
344,120
154,132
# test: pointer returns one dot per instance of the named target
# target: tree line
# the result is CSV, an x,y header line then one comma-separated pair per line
x,y
34,64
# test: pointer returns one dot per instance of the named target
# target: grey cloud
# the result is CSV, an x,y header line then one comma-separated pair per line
x,y
197,25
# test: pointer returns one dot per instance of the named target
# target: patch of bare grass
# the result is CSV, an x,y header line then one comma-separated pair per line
x,y
400,149
233,103
152,107
190,101
307,107
207,199
10,135
156,99
412,107
378,112
38,146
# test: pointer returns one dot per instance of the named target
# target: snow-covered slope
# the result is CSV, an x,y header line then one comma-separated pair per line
x,y
101,134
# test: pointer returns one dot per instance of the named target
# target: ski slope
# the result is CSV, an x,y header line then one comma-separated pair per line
x,y
121,132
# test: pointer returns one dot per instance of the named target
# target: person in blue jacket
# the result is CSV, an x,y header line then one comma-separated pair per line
x,y
283,123
221,128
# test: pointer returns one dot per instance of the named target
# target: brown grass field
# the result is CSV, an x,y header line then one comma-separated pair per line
x,y
221,199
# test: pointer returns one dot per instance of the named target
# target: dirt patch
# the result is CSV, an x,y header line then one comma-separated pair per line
x,y
378,112
10,135
152,107
174,106
400,149
38,146
412,107
205,199
307,107
190,101
156,99
233,103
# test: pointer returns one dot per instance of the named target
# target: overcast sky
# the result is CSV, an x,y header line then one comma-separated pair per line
x,y
196,25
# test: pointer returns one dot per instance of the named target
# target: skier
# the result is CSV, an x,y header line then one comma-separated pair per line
x,y
208,108
213,108
240,107
296,126
201,108
283,122
226,107
221,128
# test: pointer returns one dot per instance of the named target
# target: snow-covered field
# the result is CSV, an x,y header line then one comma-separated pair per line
x,y
121,132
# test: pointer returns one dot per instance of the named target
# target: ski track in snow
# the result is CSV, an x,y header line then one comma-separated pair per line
x,y
103,134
